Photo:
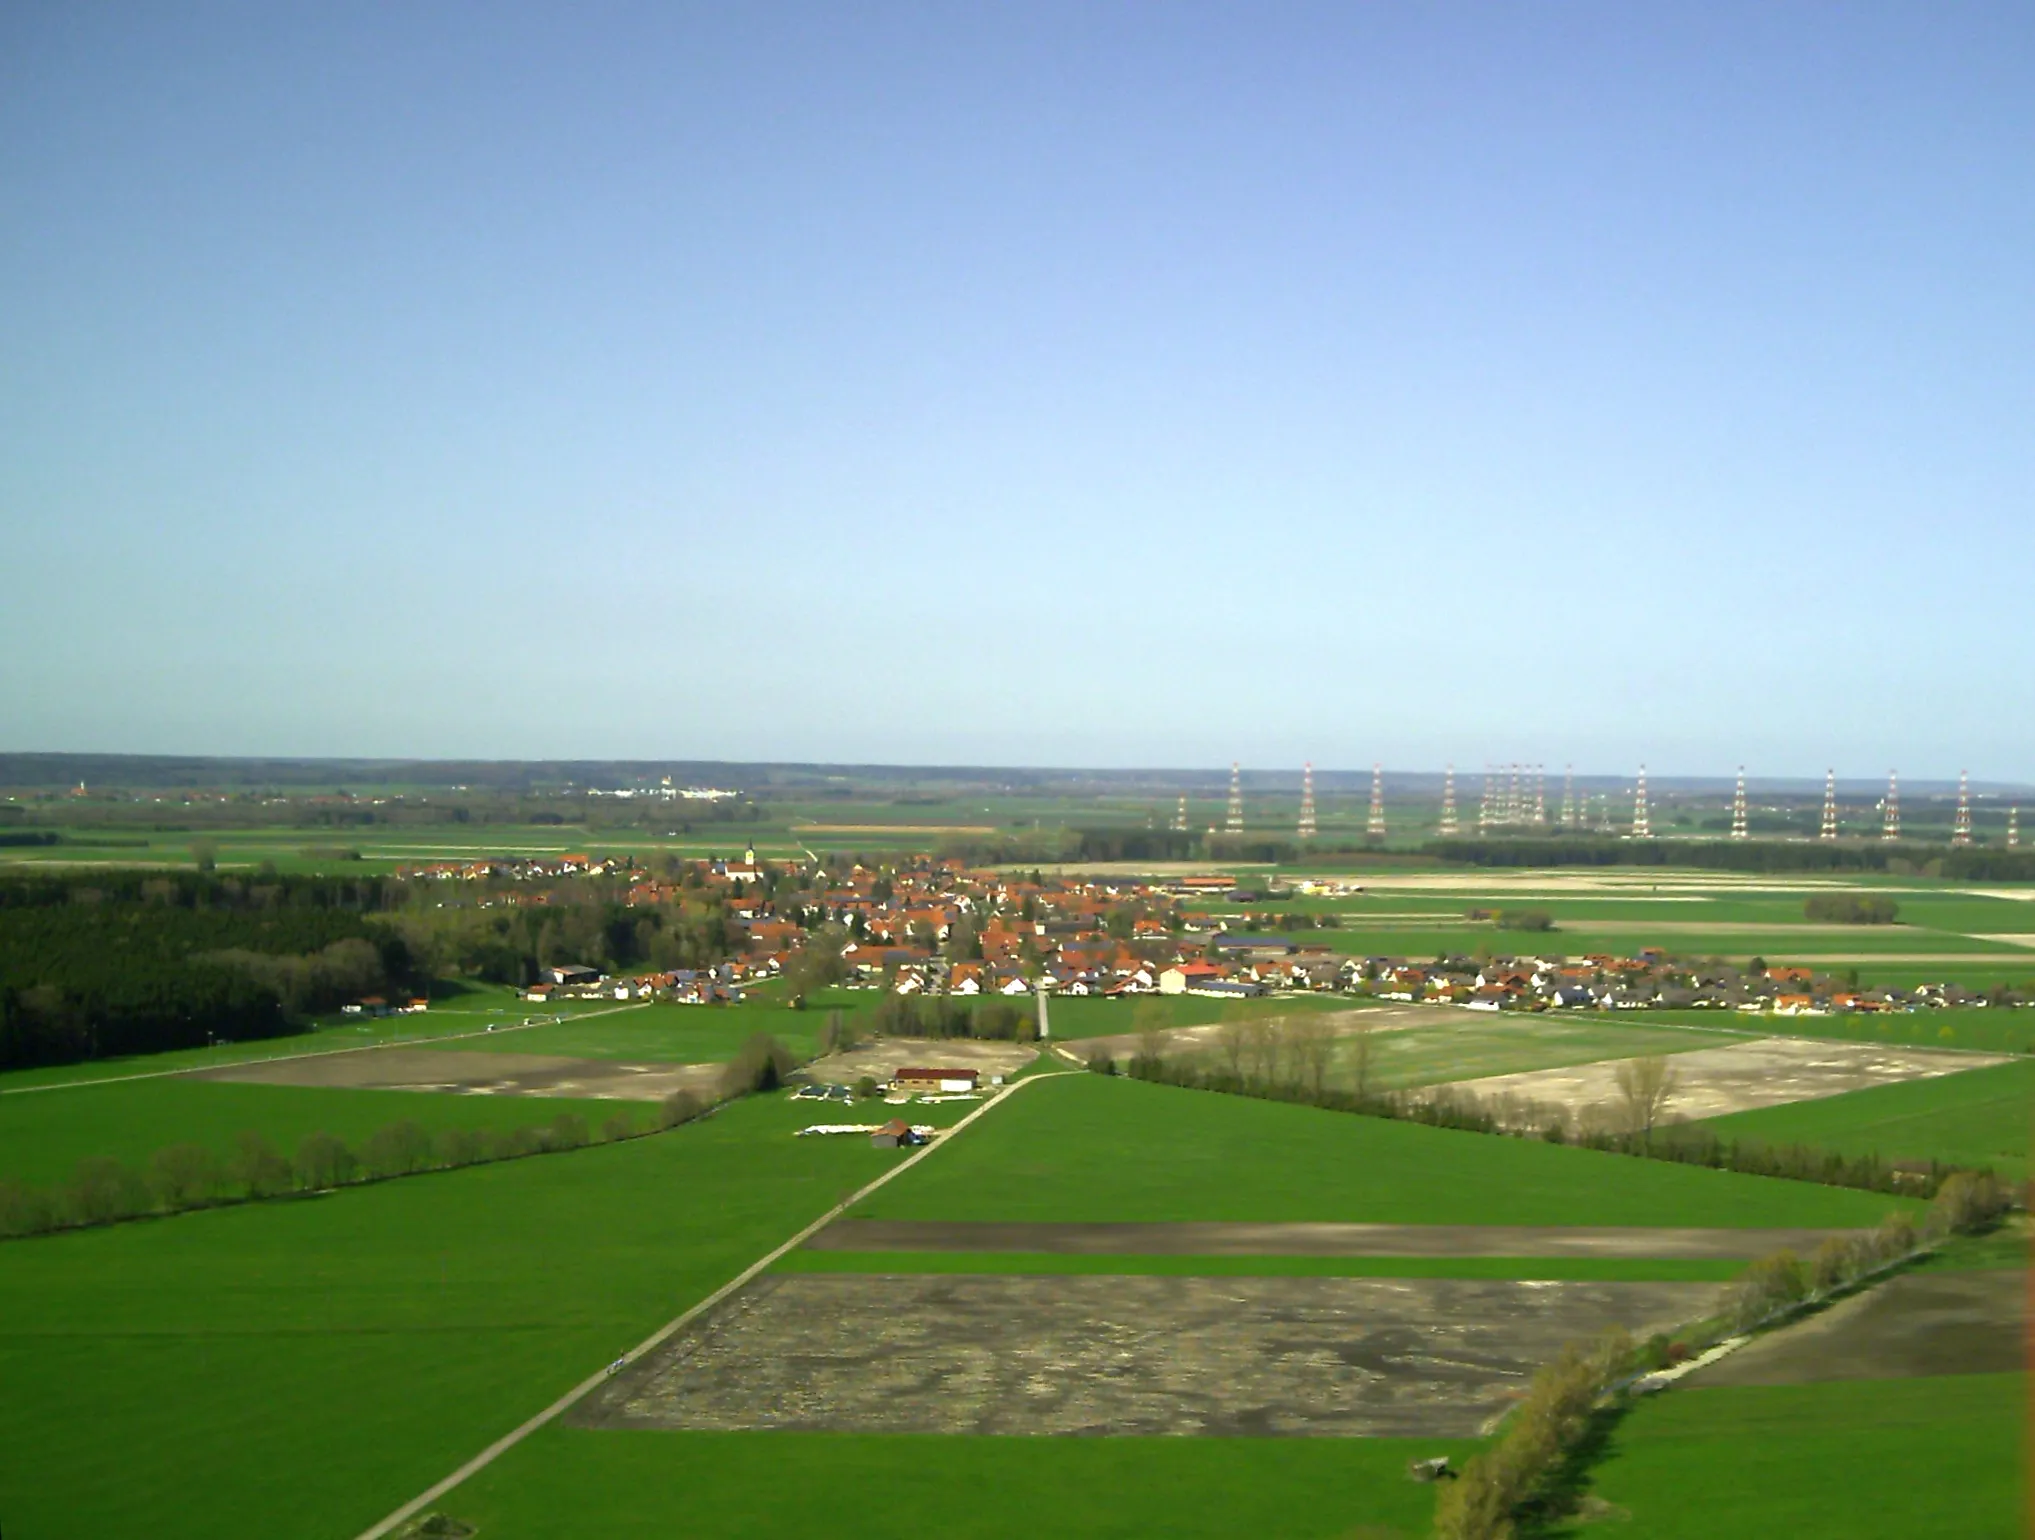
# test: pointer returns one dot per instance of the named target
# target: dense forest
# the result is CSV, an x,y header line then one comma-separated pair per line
x,y
128,963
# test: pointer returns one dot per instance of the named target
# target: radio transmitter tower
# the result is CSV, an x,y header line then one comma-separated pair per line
x,y
1484,807
1829,829
1960,832
1448,803
1234,823
1569,816
1307,800
1180,817
1890,822
1740,827
1539,796
1642,826
1376,825
2013,828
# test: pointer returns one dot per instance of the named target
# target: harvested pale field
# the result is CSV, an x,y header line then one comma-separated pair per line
x,y
885,1056
449,1071
1709,1082
993,1354
1220,1239
1208,1035
1917,1324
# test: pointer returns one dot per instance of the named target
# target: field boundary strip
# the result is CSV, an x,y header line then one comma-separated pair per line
x,y
315,1053
669,1329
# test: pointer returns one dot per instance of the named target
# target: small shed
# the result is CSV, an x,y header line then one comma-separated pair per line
x,y
936,1079
896,1134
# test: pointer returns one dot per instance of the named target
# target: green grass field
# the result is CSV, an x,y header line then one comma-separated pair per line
x,y
43,1136
298,1369
1056,1264
1846,1460
1076,1019
571,1484
680,1034
1085,1147
1978,1117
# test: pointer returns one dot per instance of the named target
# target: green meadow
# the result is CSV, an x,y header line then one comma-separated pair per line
x,y
1857,1459
1086,1147
1977,1117
659,1033
44,1135
575,1484
299,1368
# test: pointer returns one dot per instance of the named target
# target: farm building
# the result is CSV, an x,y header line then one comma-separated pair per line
x,y
896,1134
936,1079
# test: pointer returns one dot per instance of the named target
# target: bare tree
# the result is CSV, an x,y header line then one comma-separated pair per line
x,y
1262,1040
1646,1084
1233,1038
1311,1042
1360,1058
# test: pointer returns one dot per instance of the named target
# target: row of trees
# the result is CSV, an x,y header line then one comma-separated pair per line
x,y
1852,909
947,1016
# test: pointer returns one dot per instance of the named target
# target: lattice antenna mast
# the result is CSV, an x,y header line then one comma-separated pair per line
x,y
1569,816
1829,829
1376,825
1740,828
1234,823
1960,832
2013,828
1540,796
1307,800
1180,816
1890,823
1484,807
1448,803
1642,826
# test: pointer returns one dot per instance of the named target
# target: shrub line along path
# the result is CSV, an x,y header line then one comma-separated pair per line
x,y
315,1053
594,1381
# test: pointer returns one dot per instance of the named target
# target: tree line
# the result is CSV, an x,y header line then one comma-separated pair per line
x,y
186,1176
137,963
1852,909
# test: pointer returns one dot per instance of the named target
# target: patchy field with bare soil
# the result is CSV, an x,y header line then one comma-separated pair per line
x,y
1347,1357
477,1074
885,1056
1710,1082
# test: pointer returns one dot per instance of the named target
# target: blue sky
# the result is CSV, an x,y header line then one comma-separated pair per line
x,y
1085,384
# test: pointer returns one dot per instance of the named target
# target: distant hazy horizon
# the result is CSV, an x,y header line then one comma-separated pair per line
x,y
1057,384
59,769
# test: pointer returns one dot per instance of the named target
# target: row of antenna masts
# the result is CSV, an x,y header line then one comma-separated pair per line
x,y
1515,796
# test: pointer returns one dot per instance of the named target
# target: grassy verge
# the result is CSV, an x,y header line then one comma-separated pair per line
x,y
1857,1459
